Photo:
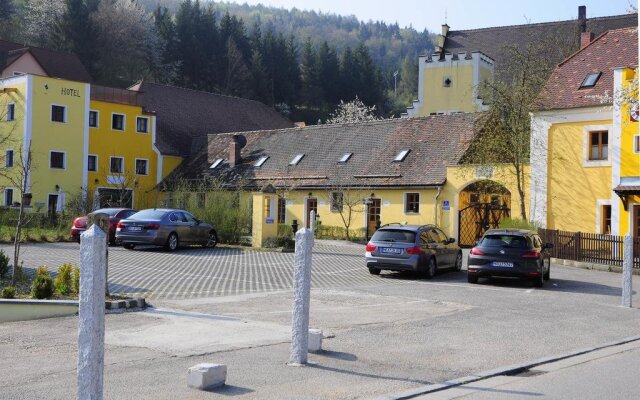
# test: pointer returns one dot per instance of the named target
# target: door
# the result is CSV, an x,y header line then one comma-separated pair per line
x,y
52,205
450,249
312,205
373,215
178,223
439,246
635,222
197,232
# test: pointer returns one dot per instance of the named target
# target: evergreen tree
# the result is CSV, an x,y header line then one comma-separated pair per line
x,y
7,12
166,29
329,72
76,33
311,93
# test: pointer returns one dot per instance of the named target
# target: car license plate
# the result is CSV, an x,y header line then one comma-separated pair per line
x,y
135,228
390,250
503,264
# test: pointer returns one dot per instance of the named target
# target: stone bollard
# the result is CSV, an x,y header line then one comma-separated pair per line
x,y
315,340
91,314
301,297
206,376
627,268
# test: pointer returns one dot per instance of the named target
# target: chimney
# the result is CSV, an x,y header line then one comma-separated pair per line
x,y
234,151
585,39
582,18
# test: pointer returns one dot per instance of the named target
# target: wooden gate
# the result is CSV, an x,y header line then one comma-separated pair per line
x,y
475,219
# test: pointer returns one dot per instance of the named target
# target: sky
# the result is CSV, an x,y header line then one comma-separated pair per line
x,y
460,14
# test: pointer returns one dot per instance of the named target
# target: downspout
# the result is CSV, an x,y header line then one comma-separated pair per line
x,y
435,213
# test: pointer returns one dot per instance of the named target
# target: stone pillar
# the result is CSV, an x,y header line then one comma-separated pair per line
x,y
301,297
91,314
627,268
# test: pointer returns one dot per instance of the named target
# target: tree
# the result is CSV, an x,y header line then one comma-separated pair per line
x,y
129,47
348,202
353,111
311,93
237,72
40,19
76,33
7,12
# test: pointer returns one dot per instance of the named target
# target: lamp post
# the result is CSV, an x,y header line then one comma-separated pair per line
x,y
395,80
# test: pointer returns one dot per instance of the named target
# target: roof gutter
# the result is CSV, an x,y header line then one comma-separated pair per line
x,y
435,212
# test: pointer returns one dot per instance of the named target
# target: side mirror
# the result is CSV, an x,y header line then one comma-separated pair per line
x,y
548,246
451,240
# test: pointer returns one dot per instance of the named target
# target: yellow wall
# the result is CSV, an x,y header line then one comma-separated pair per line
x,y
169,163
13,131
457,97
629,160
129,144
573,189
47,135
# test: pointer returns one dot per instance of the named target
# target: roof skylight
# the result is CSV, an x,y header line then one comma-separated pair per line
x,y
591,80
260,161
402,155
345,157
216,163
296,159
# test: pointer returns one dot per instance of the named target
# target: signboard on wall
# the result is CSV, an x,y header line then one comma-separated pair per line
x,y
445,205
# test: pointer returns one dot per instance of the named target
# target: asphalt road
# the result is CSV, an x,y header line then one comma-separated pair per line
x,y
384,334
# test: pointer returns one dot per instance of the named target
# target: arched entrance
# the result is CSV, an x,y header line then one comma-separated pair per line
x,y
481,206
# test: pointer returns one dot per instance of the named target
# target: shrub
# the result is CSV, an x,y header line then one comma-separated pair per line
x,y
42,285
18,274
76,280
64,281
9,292
4,264
516,223
279,241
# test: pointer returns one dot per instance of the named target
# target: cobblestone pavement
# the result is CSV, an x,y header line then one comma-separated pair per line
x,y
198,272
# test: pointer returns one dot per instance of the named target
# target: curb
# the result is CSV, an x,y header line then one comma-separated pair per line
x,y
115,306
508,370
591,266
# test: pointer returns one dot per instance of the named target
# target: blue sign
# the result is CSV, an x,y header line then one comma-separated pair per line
x,y
445,205
269,220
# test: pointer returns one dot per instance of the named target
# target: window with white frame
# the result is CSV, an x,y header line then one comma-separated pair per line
x,y
598,145
8,197
142,124
142,166
8,158
116,165
57,160
412,202
93,119
11,112
58,113
92,163
117,122
337,201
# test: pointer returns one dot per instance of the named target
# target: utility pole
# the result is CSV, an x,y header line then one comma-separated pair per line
x,y
395,82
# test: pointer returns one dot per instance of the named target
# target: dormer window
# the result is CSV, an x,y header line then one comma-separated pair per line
x,y
296,159
591,80
401,156
345,157
216,163
261,161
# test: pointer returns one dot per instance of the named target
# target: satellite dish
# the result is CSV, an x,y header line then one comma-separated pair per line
x,y
241,139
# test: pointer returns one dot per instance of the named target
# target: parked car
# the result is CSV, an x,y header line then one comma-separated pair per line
x,y
423,248
79,224
170,228
510,253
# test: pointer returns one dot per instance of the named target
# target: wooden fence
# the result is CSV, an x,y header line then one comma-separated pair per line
x,y
589,247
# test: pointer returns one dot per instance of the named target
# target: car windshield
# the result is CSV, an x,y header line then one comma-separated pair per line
x,y
109,211
147,215
394,235
514,241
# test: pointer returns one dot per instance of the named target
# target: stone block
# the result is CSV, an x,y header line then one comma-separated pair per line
x,y
206,376
315,340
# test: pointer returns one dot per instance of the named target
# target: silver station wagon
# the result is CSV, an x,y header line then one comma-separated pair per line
x,y
170,228
421,248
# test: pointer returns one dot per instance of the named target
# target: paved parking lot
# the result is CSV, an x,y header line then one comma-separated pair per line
x,y
197,272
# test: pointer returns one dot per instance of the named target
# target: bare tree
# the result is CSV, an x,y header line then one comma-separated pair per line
x,y
348,202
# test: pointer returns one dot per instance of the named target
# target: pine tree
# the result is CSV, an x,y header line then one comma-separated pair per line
x,y
76,33
7,12
311,93
329,72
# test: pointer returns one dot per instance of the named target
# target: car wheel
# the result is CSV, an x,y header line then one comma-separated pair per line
x,y
129,246
374,271
459,262
212,240
172,242
431,268
472,278
547,275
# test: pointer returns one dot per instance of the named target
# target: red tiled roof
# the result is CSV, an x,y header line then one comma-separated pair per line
x,y
613,49
434,142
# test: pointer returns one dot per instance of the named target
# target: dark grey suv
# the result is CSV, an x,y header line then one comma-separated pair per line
x,y
423,248
510,253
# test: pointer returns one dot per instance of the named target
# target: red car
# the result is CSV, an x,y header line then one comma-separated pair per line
x,y
115,215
